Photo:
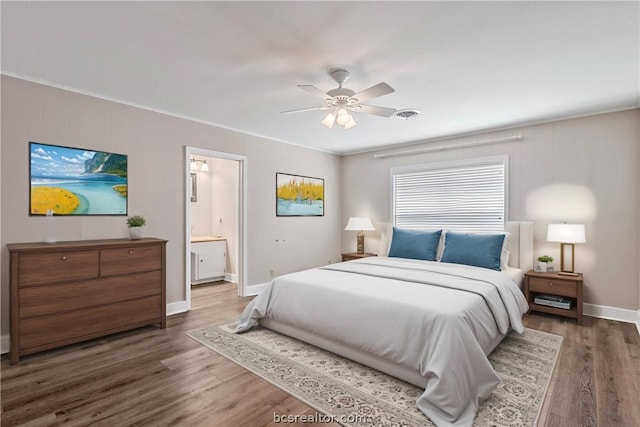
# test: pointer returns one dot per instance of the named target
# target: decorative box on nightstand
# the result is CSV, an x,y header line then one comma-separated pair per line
x,y
546,287
354,255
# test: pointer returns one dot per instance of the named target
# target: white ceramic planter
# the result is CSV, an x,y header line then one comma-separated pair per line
x,y
540,267
135,233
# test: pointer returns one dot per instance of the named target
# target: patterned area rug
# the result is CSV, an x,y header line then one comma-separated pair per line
x,y
355,395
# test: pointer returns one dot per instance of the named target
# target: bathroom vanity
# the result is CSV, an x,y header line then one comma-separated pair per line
x,y
208,259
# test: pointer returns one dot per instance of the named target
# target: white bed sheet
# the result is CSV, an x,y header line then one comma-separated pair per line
x,y
515,274
386,307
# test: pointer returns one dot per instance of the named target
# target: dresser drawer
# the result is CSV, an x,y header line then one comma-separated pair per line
x,y
41,300
130,260
553,286
36,269
64,328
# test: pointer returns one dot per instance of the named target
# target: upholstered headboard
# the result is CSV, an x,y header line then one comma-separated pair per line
x,y
520,244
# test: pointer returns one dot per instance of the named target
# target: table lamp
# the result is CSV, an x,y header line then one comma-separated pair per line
x,y
360,225
566,235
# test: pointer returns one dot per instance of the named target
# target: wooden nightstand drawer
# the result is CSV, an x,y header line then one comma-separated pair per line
x,y
553,286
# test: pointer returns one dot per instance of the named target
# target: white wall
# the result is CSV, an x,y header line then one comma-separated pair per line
x,y
155,145
581,170
224,205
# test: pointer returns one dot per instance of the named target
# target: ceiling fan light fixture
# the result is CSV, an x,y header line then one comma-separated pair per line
x,y
351,123
329,120
343,117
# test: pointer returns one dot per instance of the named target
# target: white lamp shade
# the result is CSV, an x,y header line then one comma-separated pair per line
x,y
566,233
343,117
205,167
359,224
329,120
351,123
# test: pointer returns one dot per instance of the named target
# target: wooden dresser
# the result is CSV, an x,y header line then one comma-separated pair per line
x,y
67,292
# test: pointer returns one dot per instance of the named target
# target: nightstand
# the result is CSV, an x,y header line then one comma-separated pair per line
x,y
353,255
557,285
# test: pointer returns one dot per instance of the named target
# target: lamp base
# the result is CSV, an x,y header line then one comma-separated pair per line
x,y
360,244
573,257
566,273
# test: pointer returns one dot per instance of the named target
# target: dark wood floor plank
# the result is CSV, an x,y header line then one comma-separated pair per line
x,y
162,377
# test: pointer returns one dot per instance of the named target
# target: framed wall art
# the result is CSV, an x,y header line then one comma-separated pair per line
x,y
76,181
298,195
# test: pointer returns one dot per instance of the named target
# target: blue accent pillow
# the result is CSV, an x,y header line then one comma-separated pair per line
x,y
414,244
479,250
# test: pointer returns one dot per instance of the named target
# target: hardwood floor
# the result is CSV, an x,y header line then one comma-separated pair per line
x,y
162,377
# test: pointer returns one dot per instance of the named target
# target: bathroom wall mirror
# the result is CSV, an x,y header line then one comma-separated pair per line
x,y
194,187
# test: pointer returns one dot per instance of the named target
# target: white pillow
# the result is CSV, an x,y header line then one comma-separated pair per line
x,y
386,233
504,256
440,250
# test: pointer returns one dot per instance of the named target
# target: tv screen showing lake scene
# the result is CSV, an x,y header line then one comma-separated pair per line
x,y
76,181
299,195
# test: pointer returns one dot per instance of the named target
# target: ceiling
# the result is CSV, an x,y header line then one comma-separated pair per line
x,y
468,66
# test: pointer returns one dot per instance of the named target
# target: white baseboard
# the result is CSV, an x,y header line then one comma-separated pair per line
x,y
209,280
176,307
5,344
612,313
229,277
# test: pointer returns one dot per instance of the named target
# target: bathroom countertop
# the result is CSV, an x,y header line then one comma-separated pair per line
x,y
198,239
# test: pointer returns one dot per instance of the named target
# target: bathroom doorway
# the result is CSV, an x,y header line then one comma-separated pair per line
x,y
215,217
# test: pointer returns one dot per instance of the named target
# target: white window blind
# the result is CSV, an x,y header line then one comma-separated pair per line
x,y
459,196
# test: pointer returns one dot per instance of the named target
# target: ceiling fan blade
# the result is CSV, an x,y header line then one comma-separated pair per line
x,y
378,111
304,109
315,91
374,92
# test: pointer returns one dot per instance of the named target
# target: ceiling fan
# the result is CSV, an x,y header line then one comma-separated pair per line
x,y
342,101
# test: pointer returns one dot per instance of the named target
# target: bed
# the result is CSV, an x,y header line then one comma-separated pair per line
x,y
430,323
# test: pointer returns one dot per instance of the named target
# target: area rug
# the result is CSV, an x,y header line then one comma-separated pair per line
x,y
351,394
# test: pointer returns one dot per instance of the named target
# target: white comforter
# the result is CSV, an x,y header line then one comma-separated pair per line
x,y
436,318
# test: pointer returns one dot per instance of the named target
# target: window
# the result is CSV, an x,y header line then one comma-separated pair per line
x,y
467,195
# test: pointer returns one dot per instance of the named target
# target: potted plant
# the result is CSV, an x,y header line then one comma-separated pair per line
x,y
544,263
135,224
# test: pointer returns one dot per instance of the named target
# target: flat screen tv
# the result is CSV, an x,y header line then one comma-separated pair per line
x,y
76,181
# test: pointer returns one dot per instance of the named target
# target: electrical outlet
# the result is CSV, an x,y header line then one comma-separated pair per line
x,y
272,273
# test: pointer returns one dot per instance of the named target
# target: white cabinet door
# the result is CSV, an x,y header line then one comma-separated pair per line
x,y
210,259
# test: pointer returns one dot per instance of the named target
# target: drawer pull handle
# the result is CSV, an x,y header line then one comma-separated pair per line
x,y
131,251
550,283
64,257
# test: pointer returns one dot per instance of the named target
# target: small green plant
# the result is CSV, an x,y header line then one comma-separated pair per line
x,y
136,221
545,258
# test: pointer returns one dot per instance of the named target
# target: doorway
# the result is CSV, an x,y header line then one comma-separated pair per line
x,y
215,213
